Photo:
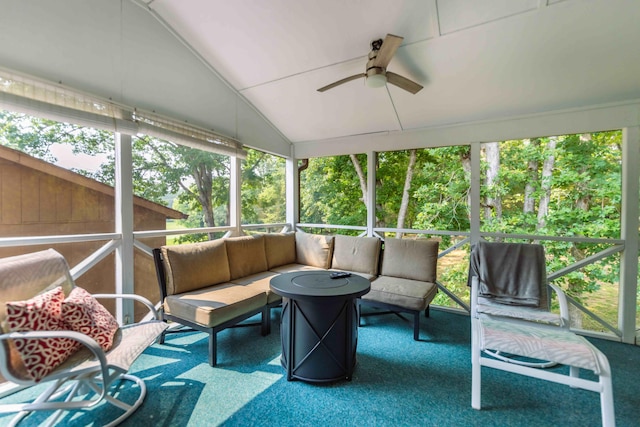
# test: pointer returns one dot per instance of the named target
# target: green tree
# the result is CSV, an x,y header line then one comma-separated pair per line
x,y
329,192
263,188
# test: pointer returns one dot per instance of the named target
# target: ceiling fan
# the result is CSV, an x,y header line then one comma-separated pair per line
x,y
377,74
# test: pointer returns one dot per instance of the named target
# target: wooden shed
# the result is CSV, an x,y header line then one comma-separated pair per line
x,y
40,199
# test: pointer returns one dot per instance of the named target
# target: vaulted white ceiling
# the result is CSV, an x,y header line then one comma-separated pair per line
x,y
250,69
477,59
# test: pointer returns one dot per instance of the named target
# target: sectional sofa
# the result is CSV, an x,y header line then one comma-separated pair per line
x,y
213,285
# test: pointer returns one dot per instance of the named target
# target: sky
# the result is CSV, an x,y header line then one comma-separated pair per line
x,y
67,159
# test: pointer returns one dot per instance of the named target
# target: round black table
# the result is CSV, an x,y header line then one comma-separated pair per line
x,y
319,325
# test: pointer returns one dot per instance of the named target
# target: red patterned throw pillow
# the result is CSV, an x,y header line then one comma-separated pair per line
x,y
40,313
85,314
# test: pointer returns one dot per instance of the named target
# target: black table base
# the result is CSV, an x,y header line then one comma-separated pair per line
x,y
319,338
319,324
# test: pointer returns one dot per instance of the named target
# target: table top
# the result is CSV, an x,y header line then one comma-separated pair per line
x,y
301,284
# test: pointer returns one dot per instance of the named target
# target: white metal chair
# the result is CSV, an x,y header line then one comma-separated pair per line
x,y
512,283
499,335
88,376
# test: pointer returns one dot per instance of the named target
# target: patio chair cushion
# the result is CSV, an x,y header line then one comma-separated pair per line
x,y
86,315
280,249
40,313
314,250
356,254
194,266
246,255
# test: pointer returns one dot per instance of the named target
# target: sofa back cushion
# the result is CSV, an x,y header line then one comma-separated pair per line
x,y
314,250
358,254
247,255
280,249
410,259
195,265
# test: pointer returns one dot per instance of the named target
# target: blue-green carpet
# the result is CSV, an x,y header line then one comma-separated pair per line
x,y
397,382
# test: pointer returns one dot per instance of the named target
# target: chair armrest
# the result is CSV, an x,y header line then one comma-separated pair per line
x,y
85,340
138,298
474,296
564,305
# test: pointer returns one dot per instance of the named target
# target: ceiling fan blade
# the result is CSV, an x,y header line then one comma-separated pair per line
x,y
403,82
339,82
388,49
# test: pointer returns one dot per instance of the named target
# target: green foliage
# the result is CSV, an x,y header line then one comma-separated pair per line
x,y
263,189
330,192
585,192
36,136
442,189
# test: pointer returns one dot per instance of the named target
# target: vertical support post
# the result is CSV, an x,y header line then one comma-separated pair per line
x,y
235,197
372,160
629,233
474,196
292,191
124,226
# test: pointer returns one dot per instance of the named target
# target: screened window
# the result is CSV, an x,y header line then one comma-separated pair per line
x,y
263,189
333,190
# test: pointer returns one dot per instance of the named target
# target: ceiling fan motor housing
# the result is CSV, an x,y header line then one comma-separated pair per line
x,y
376,76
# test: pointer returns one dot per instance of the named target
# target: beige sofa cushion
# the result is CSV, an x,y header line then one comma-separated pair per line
x,y
410,294
410,259
195,265
357,254
215,305
280,248
246,255
292,268
314,250
260,281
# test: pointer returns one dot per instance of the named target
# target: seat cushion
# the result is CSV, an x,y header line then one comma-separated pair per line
x,y
314,250
247,255
280,248
405,293
261,282
195,265
410,259
216,304
356,254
